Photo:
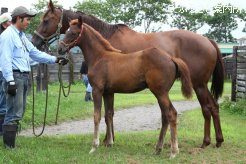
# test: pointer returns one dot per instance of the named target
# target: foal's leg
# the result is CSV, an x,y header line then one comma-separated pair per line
x,y
109,113
169,115
209,107
163,131
172,117
97,97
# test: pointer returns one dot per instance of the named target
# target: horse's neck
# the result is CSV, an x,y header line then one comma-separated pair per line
x,y
102,27
93,49
67,16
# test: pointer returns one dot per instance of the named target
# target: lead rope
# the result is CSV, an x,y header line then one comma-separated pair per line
x,y
47,42
62,86
33,105
46,98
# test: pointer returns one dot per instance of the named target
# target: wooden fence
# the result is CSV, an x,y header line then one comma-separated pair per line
x,y
239,73
228,63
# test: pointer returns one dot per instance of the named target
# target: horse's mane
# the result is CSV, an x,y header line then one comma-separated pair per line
x,y
105,43
105,29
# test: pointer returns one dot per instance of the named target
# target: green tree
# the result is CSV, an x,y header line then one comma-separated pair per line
x,y
152,11
242,16
188,19
112,11
123,11
93,7
222,23
130,12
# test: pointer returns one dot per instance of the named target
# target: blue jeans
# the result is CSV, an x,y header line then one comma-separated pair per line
x,y
16,104
86,82
2,96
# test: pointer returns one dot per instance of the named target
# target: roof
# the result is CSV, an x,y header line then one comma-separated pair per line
x,y
243,38
226,50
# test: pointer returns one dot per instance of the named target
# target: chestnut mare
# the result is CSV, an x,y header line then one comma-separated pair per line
x,y
111,71
200,54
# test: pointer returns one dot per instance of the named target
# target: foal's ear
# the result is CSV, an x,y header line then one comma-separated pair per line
x,y
51,6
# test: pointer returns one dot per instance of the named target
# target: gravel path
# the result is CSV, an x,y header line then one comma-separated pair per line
x,y
133,119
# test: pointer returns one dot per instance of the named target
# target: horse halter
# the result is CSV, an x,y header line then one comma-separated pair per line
x,y
56,35
68,46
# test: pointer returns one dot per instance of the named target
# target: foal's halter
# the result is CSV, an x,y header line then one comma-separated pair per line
x,y
68,46
48,40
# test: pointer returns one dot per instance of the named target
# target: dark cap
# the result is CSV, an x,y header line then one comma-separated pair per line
x,y
22,11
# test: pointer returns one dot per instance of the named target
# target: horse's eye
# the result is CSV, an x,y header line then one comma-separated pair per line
x,y
45,21
74,34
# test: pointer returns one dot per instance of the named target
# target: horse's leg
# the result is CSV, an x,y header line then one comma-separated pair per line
x,y
209,107
172,117
169,115
97,97
214,109
163,131
216,119
109,112
202,98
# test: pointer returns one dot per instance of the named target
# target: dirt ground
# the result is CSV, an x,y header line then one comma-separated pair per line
x,y
134,119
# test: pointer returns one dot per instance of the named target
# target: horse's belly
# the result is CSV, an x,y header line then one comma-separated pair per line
x,y
126,87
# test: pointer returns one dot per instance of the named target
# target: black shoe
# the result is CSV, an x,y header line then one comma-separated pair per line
x,y
9,135
1,125
88,96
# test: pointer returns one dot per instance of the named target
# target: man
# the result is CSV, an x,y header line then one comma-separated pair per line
x,y
5,21
84,77
15,52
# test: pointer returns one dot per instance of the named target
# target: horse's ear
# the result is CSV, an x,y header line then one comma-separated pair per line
x,y
80,20
69,19
51,6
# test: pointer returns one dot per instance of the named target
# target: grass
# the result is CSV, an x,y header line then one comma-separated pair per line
x,y
74,107
129,147
137,147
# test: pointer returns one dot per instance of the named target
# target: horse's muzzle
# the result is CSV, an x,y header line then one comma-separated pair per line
x,y
62,49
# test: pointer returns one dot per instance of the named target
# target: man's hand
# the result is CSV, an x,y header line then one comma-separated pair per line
x,y
11,88
62,60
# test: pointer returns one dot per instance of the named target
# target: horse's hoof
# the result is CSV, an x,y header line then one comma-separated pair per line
x,y
108,145
218,144
93,149
172,156
205,144
157,152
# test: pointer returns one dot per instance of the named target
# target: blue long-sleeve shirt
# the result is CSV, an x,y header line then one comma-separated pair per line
x,y
15,52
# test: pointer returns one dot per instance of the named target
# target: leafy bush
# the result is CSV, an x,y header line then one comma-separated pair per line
x,y
238,107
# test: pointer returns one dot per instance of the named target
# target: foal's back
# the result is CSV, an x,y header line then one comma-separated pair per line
x,y
128,73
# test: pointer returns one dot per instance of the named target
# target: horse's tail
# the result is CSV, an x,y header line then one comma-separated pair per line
x,y
184,74
218,74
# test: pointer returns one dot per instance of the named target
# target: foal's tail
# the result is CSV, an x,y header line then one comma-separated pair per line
x,y
184,74
218,74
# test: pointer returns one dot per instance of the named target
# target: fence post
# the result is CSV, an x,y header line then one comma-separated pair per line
x,y
234,74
